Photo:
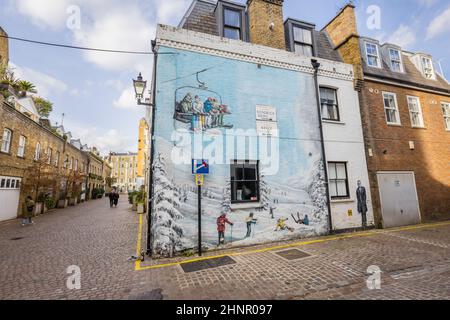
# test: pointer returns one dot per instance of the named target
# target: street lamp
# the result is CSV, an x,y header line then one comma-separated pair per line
x,y
139,88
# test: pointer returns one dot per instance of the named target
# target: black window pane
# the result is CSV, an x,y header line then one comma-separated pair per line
x,y
250,172
232,33
2,184
232,18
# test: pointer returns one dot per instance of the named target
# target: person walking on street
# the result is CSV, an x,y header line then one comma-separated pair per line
x,y
116,198
28,209
111,197
221,226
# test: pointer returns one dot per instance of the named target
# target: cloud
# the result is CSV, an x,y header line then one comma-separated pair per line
x,y
439,25
45,84
428,3
126,100
44,13
104,140
404,37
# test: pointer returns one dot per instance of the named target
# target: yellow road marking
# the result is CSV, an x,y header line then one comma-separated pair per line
x,y
138,266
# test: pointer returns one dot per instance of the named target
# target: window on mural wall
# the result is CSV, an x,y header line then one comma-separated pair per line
x,y
396,60
328,100
373,58
338,177
446,110
391,108
415,112
303,41
6,140
244,181
232,24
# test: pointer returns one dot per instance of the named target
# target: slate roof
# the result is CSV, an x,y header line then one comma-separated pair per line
x,y
201,17
411,74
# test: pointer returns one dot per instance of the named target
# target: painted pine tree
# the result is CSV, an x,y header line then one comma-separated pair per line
x,y
226,202
264,190
167,233
317,192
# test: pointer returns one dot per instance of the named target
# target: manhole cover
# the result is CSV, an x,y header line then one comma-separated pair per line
x,y
293,254
207,264
15,239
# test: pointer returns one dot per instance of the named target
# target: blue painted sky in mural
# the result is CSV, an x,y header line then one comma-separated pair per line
x,y
242,86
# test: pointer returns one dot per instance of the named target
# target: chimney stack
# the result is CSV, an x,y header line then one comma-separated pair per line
x,y
266,23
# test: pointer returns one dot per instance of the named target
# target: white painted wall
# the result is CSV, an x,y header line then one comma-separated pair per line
x,y
344,143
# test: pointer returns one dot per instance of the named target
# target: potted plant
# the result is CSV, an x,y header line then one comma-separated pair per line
x,y
140,201
50,204
63,202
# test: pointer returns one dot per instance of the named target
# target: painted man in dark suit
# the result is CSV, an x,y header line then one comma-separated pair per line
x,y
361,196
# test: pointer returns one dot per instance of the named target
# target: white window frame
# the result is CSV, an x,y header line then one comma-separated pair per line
x,y
426,68
6,140
399,123
49,155
377,56
391,59
76,164
22,146
57,156
446,105
419,112
37,152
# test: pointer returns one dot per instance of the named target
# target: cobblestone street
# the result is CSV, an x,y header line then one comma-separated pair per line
x,y
415,263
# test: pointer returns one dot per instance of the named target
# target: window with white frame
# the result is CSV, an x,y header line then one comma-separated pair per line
x,y
49,155
338,176
415,112
446,110
391,108
244,181
303,41
66,162
6,141
37,152
71,163
396,60
427,68
57,155
76,165
373,57
22,146
329,102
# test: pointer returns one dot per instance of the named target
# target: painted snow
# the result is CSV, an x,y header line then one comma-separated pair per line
x,y
292,180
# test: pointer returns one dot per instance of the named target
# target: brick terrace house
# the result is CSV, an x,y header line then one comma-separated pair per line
x,y
405,106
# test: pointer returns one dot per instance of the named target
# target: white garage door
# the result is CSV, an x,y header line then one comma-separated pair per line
x,y
399,201
9,197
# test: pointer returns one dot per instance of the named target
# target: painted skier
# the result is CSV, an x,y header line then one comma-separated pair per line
x,y
186,104
250,221
221,226
281,225
299,220
198,117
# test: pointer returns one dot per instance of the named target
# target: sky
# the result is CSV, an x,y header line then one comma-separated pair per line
x,y
94,90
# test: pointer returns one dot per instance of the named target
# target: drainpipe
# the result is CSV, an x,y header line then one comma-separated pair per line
x,y
152,152
316,66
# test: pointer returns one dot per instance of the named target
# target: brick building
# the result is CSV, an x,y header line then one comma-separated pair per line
x,y
124,170
405,106
35,159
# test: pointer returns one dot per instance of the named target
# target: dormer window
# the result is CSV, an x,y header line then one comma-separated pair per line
x,y
303,42
427,68
395,58
231,21
372,54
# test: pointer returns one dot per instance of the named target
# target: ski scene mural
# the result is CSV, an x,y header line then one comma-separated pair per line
x,y
262,142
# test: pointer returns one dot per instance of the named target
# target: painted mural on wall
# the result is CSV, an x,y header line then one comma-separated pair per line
x,y
286,203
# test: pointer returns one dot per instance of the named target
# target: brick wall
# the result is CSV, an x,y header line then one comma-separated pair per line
x,y
343,33
430,160
4,48
261,14
15,166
